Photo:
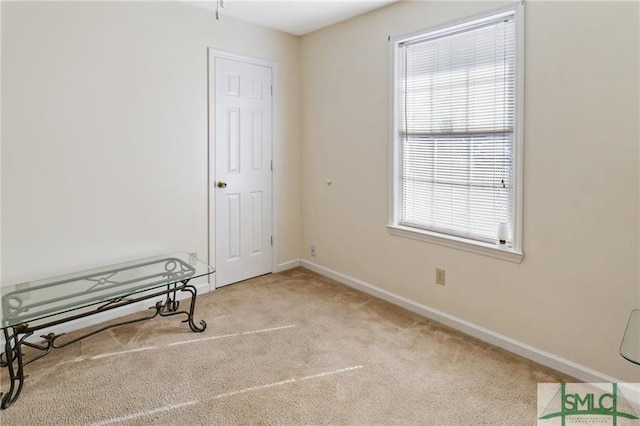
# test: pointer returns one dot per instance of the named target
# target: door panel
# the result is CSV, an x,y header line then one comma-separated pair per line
x,y
242,162
232,228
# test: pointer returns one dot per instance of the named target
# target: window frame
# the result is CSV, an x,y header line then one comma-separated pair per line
x,y
512,252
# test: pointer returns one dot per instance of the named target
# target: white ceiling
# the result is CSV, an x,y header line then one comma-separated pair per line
x,y
296,17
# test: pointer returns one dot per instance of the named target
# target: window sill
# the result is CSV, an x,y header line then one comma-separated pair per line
x,y
485,249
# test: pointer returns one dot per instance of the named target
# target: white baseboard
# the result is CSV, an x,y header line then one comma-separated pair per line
x,y
290,264
550,360
80,323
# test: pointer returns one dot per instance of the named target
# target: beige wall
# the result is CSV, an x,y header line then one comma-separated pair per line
x,y
105,137
572,294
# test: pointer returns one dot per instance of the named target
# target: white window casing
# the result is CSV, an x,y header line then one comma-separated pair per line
x,y
457,130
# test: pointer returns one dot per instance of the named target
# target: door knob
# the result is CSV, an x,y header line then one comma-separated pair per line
x,y
222,184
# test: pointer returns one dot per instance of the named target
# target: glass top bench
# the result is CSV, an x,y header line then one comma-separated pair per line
x,y
34,306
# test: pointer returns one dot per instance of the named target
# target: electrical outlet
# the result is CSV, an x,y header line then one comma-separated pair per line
x,y
313,251
440,276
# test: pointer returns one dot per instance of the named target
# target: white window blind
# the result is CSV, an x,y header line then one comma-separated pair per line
x,y
457,128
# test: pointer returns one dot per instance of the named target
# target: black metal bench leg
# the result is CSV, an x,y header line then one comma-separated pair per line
x,y
194,327
13,353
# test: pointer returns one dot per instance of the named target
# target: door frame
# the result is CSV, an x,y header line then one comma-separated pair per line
x,y
212,54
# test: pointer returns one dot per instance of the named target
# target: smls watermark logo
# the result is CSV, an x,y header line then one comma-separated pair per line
x,y
587,404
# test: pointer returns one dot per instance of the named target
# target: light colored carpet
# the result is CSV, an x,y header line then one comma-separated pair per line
x,y
283,349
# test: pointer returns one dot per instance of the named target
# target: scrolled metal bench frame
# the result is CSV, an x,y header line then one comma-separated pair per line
x,y
15,336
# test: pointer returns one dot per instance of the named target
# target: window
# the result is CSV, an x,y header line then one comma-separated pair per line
x,y
457,135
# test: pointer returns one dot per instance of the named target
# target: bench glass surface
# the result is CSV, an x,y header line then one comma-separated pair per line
x,y
40,299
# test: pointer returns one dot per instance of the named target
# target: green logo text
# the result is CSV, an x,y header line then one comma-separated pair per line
x,y
565,404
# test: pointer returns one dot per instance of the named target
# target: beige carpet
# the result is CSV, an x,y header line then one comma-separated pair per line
x,y
285,349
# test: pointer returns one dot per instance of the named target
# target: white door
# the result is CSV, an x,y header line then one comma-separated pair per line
x,y
242,132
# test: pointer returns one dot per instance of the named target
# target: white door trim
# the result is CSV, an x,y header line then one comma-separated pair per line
x,y
211,55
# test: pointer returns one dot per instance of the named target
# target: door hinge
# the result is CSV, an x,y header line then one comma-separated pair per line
x,y
272,90
272,240
271,165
